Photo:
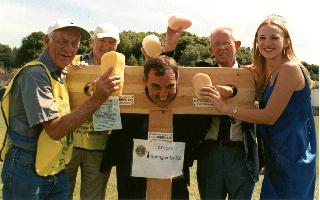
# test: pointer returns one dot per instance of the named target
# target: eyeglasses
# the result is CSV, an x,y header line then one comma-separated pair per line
x,y
62,42
222,44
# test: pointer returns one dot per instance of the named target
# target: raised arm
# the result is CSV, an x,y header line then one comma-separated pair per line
x,y
172,39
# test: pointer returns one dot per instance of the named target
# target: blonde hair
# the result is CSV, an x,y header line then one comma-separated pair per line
x,y
260,62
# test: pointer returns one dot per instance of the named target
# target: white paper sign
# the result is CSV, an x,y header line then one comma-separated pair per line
x,y
198,103
157,159
157,136
126,100
107,117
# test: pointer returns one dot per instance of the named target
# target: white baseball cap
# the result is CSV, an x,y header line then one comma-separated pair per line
x,y
107,30
64,23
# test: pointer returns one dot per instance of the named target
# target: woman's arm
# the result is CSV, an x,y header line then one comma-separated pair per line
x,y
290,79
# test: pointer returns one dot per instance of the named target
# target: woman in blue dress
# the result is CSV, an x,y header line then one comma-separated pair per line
x,y
286,120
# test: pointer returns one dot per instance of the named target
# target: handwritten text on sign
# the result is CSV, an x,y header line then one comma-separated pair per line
x,y
157,159
107,117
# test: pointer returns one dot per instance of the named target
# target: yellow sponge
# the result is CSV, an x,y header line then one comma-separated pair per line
x,y
199,81
117,62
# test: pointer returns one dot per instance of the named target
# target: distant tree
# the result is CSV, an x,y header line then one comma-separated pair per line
x,y
185,40
192,53
31,47
189,55
131,43
125,45
190,48
202,40
6,57
141,61
313,70
244,56
132,61
85,47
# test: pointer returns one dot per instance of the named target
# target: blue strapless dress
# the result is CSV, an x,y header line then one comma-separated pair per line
x,y
290,149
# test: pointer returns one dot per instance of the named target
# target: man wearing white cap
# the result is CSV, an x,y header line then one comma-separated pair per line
x,y
38,120
88,144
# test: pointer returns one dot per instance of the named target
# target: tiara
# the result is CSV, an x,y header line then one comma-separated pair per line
x,y
276,18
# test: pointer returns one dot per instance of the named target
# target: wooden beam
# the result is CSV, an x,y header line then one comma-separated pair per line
x,y
160,121
184,101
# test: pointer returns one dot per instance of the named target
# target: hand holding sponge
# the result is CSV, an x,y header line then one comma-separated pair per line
x,y
117,62
199,81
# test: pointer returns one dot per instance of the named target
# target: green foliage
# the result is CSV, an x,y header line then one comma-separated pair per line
x,y
192,53
31,47
125,45
190,48
313,70
185,40
141,61
85,47
131,43
244,56
132,61
6,57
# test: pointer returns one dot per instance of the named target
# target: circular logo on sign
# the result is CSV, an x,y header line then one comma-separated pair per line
x,y
141,150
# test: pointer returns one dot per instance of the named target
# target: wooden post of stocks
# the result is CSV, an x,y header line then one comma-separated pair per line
x,y
134,100
160,121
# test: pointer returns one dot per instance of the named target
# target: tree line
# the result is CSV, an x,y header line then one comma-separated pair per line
x,y
189,50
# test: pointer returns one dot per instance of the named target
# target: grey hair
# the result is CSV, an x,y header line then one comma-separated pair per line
x,y
223,28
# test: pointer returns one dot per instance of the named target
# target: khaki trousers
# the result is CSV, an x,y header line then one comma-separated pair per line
x,y
93,182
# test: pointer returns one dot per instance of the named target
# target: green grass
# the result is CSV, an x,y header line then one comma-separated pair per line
x,y
194,194
111,193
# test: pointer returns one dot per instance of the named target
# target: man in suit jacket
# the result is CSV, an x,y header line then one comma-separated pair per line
x,y
228,164
160,76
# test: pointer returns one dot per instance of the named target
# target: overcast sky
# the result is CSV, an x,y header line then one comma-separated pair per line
x,y
19,18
